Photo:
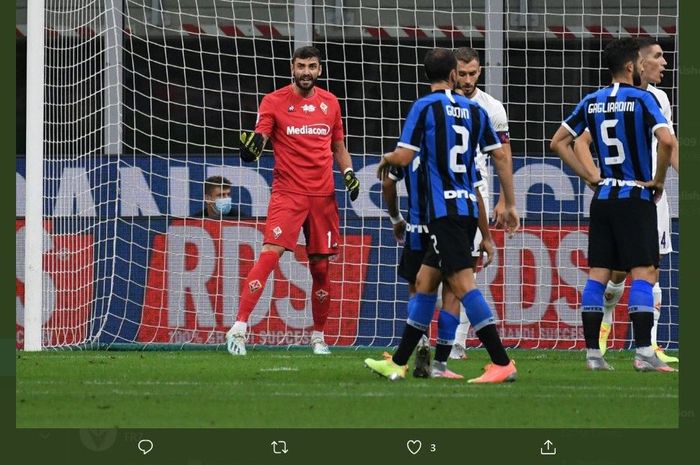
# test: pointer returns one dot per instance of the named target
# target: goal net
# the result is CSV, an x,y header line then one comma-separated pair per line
x,y
144,99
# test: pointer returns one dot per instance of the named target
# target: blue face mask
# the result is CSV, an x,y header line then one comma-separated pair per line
x,y
223,206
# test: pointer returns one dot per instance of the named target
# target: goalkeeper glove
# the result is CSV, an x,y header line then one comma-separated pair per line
x,y
352,184
251,145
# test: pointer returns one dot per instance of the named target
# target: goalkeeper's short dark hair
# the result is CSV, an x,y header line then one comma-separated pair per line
x,y
438,64
306,52
619,52
213,182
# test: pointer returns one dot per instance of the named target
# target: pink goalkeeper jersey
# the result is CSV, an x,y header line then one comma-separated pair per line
x,y
301,131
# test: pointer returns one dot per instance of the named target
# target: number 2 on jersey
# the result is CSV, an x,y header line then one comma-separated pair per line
x,y
612,142
457,150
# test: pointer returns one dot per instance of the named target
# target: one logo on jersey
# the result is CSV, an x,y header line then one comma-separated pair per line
x,y
460,194
324,108
277,232
290,109
308,108
309,129
417,228
254,286
321,295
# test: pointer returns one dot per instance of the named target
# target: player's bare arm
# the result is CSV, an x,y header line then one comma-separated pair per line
x,y
392,205
401,156
509,219
486,245
562,145
667,143
499,208
582,150
342,158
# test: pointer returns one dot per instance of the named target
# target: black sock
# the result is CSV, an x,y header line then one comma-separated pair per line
x,y
488,335
591,328
409,341
642,322
442,351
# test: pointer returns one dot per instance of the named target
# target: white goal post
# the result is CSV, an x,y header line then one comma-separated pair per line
x,y
131,105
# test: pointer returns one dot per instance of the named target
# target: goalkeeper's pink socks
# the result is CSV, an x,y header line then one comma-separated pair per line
x,y
254,284
320,293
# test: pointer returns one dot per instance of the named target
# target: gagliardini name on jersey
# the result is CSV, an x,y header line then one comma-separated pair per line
x,y
309,129
610,107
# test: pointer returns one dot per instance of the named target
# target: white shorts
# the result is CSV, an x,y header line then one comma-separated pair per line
x,y
484,189
663,224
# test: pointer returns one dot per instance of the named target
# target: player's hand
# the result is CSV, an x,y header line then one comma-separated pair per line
x,y
400,232
251,145
657,188
509,220
486,247
352,184
383,169
499,210
592,183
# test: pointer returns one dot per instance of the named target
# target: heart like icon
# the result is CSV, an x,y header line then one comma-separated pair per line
x,y
414,446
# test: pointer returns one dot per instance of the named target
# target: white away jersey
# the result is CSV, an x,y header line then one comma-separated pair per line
x,y
499,121
666,111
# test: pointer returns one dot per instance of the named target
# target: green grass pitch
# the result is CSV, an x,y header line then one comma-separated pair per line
x,y
278,388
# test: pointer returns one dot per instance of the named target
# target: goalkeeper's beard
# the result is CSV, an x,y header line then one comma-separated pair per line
x,y
304,87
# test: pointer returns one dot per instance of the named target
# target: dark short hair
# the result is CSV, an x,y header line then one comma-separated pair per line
x,y
619,52
438,64
213,182
306,52
466,54
646,41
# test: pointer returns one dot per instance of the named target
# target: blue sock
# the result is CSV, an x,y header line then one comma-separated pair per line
x,y
447,327
593,297
420,310
641,297
478,311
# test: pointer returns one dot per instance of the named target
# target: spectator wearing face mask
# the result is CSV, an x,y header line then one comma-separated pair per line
x,y
217,200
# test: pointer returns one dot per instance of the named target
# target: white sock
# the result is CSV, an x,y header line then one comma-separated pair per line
x,y
462,328
613,293
645,351
657,313
317,335
424,341
240,327
593,353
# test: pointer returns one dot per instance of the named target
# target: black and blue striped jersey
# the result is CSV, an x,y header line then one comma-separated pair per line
x,y
446,129
416,222
622,120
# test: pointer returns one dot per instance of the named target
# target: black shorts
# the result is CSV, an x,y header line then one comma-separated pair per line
x,y
410,263
451,243
622,234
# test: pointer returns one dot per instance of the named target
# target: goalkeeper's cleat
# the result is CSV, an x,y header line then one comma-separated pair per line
x,y
422,368
458,352
598,364
387,369
235,342
653,363
440,370
663,356
320,347
603,337
495,374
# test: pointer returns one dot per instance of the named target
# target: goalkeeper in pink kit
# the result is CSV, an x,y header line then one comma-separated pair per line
x,y
305,126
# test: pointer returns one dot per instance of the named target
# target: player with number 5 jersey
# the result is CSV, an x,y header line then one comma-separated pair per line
x,y
622,235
